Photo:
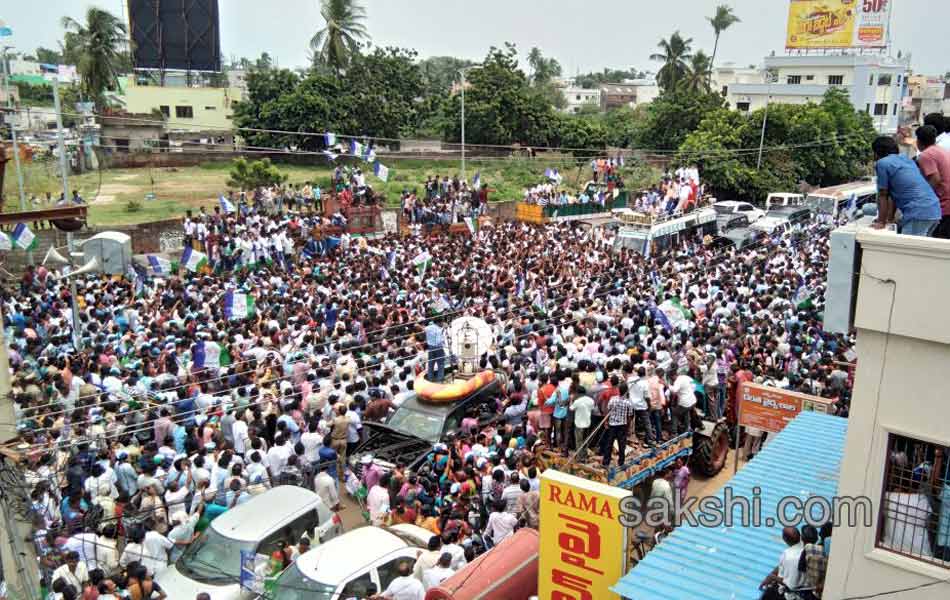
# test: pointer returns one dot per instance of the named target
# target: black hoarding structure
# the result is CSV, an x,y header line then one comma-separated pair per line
x,y
175,35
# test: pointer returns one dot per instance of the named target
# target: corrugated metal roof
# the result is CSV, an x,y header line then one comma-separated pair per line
x,y
729,563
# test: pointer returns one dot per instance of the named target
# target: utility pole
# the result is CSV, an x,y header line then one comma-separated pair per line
x,y
12,118
77,338
765,119
462,73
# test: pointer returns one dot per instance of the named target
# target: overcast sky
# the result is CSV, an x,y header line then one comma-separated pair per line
x,y
583,36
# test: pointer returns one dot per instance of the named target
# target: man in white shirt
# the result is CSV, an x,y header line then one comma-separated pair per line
x,y
377,500
277,456
449,539
404,587
638,391
582,407
685,392
501,524
325,487
239,433
787,573
74,572
439,573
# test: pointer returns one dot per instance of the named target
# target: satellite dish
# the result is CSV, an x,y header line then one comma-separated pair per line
x,y
469,339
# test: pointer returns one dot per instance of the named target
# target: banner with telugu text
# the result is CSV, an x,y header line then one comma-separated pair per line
x,y
837,24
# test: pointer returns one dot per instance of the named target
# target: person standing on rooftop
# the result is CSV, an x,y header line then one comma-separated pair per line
x,y
901,186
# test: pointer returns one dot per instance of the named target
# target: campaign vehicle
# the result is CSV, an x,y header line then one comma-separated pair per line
x,y
408,435
645,234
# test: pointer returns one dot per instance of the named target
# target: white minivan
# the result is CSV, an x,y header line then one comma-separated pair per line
x,y
212,563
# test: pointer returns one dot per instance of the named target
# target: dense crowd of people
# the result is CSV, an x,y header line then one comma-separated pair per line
x,y
175,409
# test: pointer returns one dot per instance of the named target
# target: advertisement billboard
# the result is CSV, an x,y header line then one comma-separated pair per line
x,y
583,550
770,408
837,24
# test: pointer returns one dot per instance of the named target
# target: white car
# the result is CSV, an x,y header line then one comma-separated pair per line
x,y
357,564
212,563
734,207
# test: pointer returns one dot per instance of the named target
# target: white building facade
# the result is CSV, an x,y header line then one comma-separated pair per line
x,y
578,98
876,84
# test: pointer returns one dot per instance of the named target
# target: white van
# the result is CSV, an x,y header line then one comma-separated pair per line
x,y
212,563
355,565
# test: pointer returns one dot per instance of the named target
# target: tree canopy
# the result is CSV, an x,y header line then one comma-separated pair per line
x,y
95,45
380,96
338,42
819,144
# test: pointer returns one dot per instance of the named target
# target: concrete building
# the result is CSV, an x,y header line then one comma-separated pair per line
x,y
875,83
925,95
725,76
578,98
896,452
130,132
630,93
184,108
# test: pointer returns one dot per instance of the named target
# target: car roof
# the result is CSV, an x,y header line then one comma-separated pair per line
x,y
332,562
729,203
264,513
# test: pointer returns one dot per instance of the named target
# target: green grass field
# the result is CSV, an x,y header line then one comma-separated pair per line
x,y
109,192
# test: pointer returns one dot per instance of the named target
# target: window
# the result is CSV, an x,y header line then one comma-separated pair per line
x,y
793,79
835,79
867,108
725,90
166,112
895,108
211,108
361,587
871,79
184,112
289,534
578,97
809,77
742,106
389,571
884,79
880,109
915,502
898,79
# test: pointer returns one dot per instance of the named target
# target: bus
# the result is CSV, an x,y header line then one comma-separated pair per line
x,y
645,234
831,201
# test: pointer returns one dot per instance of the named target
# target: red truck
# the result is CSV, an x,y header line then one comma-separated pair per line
x,y
509,571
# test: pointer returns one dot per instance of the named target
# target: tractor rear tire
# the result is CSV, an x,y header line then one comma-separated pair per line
x,y
710,452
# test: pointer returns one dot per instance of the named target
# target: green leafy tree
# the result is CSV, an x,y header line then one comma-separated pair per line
x,y
50,57
500,105
592,80
673,115
97,46
439,73
721,21
381,96
543,69
248,175
700,70
820,144
675,54
335,45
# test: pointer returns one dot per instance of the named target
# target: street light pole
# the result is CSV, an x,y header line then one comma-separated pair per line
x,y
765,119
462,73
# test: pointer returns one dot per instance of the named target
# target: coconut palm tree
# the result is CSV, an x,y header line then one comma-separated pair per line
x,y
721,21
340,39
675,56
99,44
697,77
